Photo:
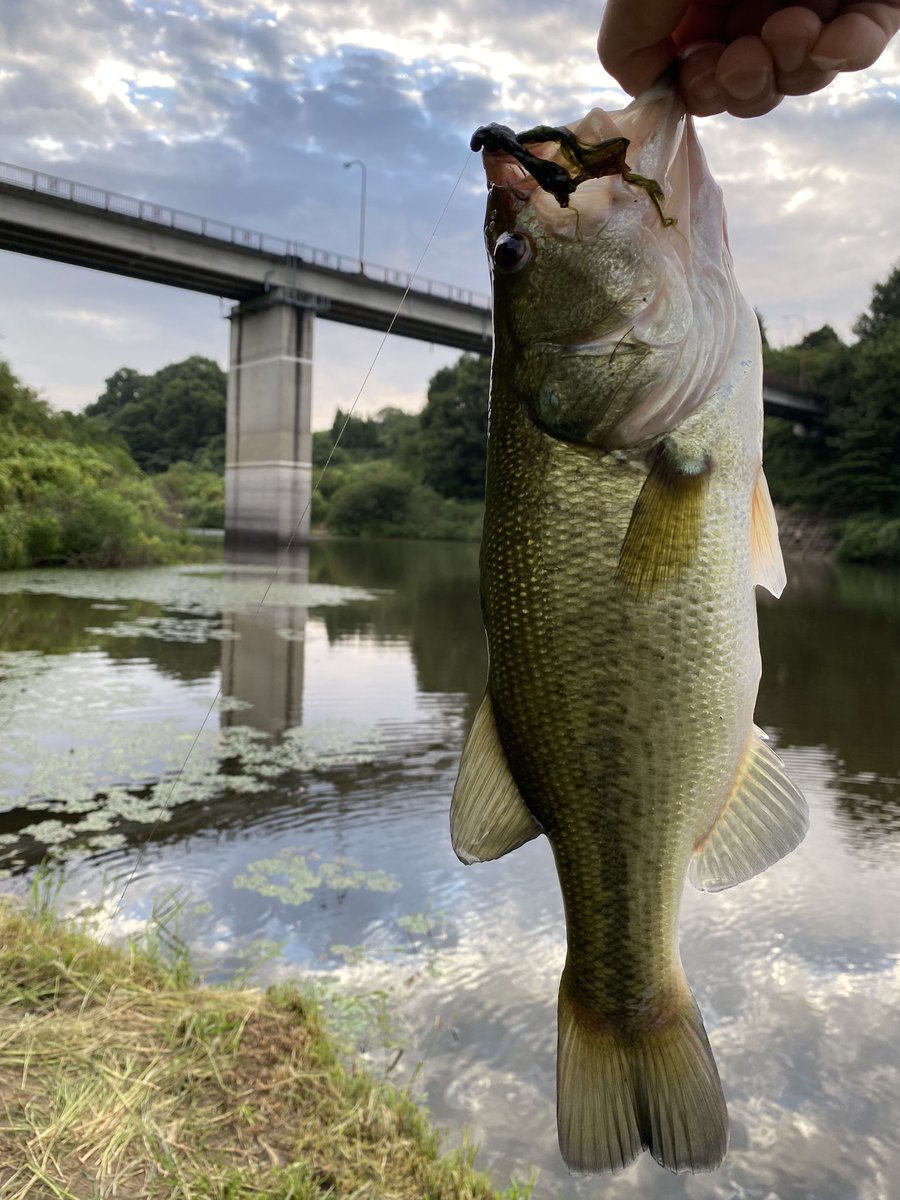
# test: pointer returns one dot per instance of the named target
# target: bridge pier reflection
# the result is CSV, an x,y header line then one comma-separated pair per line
x,y
268,447
263,663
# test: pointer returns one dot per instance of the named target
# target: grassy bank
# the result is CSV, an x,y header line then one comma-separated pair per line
x,y
122,1077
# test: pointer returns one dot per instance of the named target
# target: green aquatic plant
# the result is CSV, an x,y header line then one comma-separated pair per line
x,y
82,773
293,877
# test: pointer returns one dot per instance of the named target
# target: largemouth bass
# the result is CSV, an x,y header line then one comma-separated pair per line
x,y
627,524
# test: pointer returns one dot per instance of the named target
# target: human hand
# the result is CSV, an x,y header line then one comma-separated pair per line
x,y
742,56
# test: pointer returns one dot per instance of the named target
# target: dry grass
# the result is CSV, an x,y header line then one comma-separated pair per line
x,y
119,1080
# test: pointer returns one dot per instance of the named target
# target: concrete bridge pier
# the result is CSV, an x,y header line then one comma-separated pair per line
x,y
268,442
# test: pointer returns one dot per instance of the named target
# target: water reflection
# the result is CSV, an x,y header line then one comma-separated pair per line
x,y
263,658
832,678
345,700
429,599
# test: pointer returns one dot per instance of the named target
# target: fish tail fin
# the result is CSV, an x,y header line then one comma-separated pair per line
x,y
623,1091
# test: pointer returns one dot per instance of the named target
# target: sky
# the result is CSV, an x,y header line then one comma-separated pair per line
x,y
247,113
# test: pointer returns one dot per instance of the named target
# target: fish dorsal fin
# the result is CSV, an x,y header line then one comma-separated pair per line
x,y
764,818
766,561
488,817
664,531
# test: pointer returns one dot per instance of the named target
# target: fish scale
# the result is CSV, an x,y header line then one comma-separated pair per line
x,y
627,522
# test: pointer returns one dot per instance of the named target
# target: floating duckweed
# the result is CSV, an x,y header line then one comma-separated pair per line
x,y
292,877
194,631
423,924
106,841
50,832
207,591
66,781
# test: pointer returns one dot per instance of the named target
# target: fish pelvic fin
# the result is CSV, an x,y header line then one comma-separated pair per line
x,y
764,818
488,816
766,559
664,531
621,1091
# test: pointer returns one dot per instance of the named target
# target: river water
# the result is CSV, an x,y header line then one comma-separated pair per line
x,y
274,755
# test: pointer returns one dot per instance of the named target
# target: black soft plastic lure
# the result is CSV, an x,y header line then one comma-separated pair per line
x,y
582,161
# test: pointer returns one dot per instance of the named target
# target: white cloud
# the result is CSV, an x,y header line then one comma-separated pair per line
x,y
799,198
247,116
48,146
110,81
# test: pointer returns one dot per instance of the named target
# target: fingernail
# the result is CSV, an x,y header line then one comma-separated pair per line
x,y
692,48
704,87
746,85
829,64
791,54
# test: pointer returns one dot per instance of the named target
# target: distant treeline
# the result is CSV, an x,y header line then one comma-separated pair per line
x,y
71,494
120,482
849,467
400,474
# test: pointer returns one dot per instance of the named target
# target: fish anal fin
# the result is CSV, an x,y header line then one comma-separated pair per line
x,y
764,818
664,530
488,816
621,1091
766,561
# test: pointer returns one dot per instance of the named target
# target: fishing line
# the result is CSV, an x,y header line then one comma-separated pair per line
x,y
283,556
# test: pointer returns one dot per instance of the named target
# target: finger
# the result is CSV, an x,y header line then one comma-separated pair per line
x,y
747,17
856,39
789,36
697,79
746,77
635,43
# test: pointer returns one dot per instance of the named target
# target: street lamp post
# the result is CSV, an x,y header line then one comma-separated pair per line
x,y
357,162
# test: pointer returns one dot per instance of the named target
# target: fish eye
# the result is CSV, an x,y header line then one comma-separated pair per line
x,y
512,251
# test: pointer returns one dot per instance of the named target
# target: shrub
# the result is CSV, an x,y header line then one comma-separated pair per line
x,y
870,538
375,502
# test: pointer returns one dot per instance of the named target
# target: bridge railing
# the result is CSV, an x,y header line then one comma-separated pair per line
x,y
235,235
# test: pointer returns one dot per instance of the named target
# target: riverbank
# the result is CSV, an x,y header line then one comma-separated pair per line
x,y
123,1076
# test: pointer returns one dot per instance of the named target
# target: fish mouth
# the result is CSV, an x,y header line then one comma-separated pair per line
x,y
559,163
633,147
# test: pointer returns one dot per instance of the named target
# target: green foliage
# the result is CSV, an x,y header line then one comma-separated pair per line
x,y
453,438
378,499
198,495
870,538
377,481
811,368
391,434
763,336
63,500
864,427
794,462
177,413
374,501
884,311
852,465
820,339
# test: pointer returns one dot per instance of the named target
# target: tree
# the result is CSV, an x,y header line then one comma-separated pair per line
x,y
820,338
175,414
124,387
453,425
865,426
65,501
763,336
884,310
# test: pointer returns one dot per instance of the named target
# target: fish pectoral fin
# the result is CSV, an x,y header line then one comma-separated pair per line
x,y
764,818
488,816
664,531
766,560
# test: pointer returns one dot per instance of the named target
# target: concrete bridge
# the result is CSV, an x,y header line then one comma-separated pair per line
x,y
281,286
